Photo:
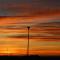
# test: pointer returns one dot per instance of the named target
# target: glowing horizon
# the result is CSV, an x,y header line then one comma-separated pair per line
x,y
14,40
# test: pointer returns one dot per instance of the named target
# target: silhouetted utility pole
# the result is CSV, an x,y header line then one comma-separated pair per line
x,y
28,42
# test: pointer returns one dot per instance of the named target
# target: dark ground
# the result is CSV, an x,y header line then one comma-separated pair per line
x,y
32,57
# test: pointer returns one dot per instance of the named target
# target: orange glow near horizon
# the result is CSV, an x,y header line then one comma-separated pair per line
x,y
43,41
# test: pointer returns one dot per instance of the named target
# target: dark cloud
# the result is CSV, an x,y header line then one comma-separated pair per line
x,y
28,7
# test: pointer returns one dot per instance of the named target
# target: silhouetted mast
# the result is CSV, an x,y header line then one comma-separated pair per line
x,y
28,41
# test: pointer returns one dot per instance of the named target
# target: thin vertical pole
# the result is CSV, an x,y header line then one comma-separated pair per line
x,y
28,42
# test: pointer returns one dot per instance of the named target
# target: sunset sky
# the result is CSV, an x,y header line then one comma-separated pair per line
x,y
43,17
